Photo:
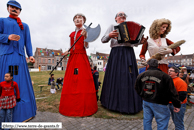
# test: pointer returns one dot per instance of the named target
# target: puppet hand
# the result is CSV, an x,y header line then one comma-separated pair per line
x,y
114,34
14,37
144,40
66,53
32,60
143,59
84,33
164,50
18,100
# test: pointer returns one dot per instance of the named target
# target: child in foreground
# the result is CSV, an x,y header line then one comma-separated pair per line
x,y
8,98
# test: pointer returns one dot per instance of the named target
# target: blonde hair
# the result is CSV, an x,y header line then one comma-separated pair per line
x,y
155,28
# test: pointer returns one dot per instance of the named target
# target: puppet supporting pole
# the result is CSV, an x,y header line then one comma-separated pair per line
x,y
68,50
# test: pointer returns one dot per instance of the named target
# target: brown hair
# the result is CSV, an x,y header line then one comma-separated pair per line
x,y
155,28
176,70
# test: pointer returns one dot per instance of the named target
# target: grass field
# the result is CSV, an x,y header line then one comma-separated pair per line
x,y
50,102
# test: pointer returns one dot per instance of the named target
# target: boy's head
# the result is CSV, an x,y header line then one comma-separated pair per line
x,y
95,67
8,77
52,75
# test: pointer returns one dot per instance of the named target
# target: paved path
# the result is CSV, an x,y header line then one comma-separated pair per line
x,y
90,123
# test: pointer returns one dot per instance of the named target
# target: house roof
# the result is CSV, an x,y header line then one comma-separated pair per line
x,y
49,51
179,57
102,56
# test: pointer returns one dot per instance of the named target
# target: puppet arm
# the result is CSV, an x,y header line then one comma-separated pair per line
x,y
106,37
3,37
143,50
174,51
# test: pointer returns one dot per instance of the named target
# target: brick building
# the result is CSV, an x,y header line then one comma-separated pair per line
x,y
46,59
99,60
186,60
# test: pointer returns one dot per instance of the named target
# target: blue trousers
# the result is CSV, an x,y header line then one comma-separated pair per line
x,y
178,117
6,115
160,112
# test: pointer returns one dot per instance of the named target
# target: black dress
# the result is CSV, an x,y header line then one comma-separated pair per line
x,y
118,91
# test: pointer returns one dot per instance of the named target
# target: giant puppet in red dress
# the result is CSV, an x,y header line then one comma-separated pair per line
x,y
78,96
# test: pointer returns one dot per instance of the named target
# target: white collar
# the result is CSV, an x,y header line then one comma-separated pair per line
x,y
77,29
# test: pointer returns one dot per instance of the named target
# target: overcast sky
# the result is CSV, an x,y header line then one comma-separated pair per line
x,y
51,21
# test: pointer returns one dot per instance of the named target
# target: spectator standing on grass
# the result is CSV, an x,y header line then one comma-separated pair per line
x,y
51,82
157,89
95,74
181,88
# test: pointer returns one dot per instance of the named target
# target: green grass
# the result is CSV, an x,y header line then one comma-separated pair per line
x,y
51,102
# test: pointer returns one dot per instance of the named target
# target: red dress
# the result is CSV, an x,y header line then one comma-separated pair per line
x,y
78,96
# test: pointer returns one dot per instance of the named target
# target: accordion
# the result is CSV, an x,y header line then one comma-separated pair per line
x,y
129,32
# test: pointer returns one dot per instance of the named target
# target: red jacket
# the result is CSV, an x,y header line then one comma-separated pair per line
x,y
7,90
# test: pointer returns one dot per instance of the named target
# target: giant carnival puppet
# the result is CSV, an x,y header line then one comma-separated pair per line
x,y
159,44
78,96
118,91
14,36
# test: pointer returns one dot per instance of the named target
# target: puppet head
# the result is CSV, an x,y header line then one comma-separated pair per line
x,y
14,3
120,17
14,8
157,26
79,19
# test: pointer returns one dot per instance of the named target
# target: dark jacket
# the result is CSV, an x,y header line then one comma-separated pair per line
x,y
50,80
156,86
59,81
95,74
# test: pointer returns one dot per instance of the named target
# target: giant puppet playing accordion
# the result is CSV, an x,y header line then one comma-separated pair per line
x,y
118,93
129,32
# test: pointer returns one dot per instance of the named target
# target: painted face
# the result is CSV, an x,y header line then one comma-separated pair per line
x,y
8,77
163,28
172,73
121,17
13,10
78,20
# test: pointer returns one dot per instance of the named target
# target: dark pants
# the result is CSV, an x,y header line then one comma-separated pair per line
x,y
59,84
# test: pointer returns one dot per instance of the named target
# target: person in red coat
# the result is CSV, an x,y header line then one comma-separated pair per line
x,y
7,98
78,96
